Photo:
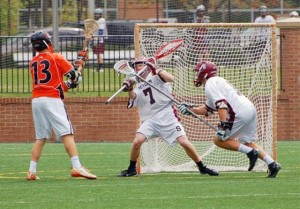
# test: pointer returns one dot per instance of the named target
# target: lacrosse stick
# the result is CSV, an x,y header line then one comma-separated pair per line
x,y
123,66
130,72
90,26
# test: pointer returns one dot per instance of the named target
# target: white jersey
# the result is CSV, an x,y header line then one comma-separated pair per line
x,y
241,111
149,101
266,19
157,114
102,31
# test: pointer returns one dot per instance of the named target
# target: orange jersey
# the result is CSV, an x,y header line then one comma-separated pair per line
x,y
47,72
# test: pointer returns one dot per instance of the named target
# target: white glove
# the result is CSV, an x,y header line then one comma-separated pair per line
x,y
184,108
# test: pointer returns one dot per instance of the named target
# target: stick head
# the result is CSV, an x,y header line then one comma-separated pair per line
x,y
90,27
123,67
167,49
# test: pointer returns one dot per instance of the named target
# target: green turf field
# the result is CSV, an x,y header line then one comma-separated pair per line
x,y
57,189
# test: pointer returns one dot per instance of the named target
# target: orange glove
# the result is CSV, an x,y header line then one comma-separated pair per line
x,y
83,55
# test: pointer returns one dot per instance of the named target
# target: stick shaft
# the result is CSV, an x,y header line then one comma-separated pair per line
x,y
115,94
123,87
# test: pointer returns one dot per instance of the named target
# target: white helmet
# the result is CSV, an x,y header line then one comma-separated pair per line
x,y
263,9
200,8
98,11
294,14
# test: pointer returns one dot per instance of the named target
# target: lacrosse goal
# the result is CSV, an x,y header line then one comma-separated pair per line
x,y
245,55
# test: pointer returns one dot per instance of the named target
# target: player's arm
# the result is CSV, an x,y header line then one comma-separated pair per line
x,y
129,83
74,78
225,125
158,70
201,110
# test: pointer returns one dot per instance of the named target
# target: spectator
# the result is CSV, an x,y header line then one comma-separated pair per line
x,y
264,17
294,14
200,15
99,39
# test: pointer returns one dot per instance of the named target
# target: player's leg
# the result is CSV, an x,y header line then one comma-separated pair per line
x,y
77,169
35,156
63,130
100,57
273,166
134,154
192,153
42,132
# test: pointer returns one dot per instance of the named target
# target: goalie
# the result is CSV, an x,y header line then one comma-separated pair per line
x,y
157,114
47,70
237,115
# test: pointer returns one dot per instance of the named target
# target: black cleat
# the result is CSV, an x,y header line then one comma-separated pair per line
x,y
253,156
204,170
273,169
128,173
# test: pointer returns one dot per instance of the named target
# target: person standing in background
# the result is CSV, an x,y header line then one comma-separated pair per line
x,y
264,17
101,35
200,15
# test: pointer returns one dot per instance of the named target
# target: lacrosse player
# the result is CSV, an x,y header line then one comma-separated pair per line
x,y
237,115
47,70
99,41
157,114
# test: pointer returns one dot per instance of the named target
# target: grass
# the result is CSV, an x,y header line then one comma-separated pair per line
x,y
57,189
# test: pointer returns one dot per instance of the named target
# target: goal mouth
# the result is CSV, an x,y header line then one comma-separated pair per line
x,y
245,55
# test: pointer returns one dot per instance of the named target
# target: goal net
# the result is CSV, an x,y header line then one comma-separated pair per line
x,y
245,55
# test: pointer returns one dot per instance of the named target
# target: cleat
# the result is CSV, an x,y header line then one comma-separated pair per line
x,y
253,156
32,176
273,169
204,170
128,173
82,172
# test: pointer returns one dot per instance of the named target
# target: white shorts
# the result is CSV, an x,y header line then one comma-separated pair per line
x,y
245,125
164,125
50,114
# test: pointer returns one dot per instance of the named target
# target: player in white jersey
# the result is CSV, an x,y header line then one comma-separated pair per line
x,y
158,116
238,120
101,35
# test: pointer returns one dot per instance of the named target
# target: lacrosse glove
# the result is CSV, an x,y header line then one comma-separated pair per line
x,y
184,108
129,83
224,129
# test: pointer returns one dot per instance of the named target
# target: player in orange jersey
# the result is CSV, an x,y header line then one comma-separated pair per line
x,y
48,86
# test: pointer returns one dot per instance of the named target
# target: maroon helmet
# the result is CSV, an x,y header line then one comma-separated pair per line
x,y
204,70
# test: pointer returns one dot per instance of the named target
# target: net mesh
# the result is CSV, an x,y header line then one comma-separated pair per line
x,y
245,57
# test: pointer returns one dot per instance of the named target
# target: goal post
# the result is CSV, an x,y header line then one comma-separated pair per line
x,y
245,54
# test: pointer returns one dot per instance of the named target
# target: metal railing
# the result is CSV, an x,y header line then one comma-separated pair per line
x,y
16,52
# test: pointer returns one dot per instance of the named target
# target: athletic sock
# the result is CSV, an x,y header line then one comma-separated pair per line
x,y
32,166
268,160
244,149
75,162
132,165
100,65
